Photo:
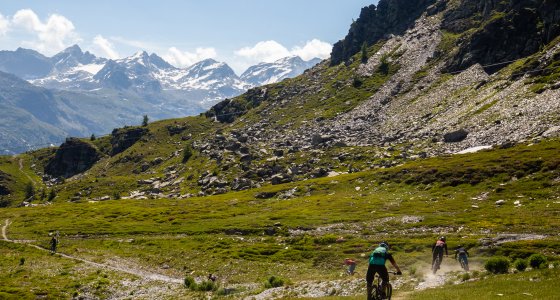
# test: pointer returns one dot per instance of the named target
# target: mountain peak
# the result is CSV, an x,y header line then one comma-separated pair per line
x,y
74,49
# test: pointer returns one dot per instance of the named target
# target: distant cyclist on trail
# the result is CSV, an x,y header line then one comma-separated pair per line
x,y
377,261
54,243
437,251
463,255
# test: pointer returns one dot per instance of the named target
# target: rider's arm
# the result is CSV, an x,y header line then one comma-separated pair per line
x,y
394,263
445,246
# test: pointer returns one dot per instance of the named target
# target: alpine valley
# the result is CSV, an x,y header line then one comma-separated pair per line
x,y
431,118
77,94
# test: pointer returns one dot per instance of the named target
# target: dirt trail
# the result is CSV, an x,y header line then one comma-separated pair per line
x,y
20,163
142,274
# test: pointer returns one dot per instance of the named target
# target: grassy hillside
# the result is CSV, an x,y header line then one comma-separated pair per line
x,y
301,231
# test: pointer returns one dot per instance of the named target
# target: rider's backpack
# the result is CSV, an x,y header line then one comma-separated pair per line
x,y
378,256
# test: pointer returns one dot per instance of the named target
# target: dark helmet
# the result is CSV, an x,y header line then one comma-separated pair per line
x,y
442,238
385,245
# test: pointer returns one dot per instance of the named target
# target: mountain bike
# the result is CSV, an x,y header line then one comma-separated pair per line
x,y
436,264
464,262
377,293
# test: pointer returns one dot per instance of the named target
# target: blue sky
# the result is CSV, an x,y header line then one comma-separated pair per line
x,y
239,32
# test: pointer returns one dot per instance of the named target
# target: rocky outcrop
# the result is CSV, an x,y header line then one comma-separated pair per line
x,y
228,110
123,138
5,180
74,156
503,31
377,22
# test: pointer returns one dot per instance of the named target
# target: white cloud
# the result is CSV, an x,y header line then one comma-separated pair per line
x,y
270,51
104,47
49,37
267,51
314,48
4,25
183,59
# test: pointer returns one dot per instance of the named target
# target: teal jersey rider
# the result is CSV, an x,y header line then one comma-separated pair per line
x,y
377,261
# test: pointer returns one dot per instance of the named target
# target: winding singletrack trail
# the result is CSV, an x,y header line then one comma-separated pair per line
x,y
142,274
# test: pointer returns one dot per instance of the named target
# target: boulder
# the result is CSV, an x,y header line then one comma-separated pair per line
x,y
455,136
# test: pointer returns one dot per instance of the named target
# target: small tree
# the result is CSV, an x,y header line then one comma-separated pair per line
x,y
187,153
384,65
29,191
364,53
52,195
92,137
145,121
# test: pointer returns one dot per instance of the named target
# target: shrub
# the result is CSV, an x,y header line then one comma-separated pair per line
x,y
22,261
273,282
187,153
497,265
190,283
520,264
207,286
537,261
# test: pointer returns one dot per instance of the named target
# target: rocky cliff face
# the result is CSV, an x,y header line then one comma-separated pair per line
x,y
501,31
73,157
376,23
123,138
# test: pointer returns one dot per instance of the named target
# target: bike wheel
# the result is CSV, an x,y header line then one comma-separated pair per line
x,y
389,291
435,266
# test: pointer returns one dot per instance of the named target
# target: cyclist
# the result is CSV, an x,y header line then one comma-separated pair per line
x,y
54,243
377,261
437,251
463,254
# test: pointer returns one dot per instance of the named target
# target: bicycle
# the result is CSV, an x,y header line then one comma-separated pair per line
x,y
436,264
464,262
377,293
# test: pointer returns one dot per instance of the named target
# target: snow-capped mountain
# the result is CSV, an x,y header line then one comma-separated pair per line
x,y
203,83
72,69
267,73
90,94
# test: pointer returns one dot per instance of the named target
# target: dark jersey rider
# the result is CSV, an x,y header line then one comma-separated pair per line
x,y
438,248
377,261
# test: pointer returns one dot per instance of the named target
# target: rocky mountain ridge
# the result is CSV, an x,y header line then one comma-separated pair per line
x,y
400,102
151,86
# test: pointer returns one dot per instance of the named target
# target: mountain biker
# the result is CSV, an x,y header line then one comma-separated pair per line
x,y
463,254
54,243
437,250
351,265
377,261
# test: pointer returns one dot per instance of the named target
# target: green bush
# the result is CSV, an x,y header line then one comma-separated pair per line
x,y
207,286
187,153
520,264
537,261
497,265
190,283
273,282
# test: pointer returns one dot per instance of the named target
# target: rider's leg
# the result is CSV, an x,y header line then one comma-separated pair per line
x,y
369,280
384,280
